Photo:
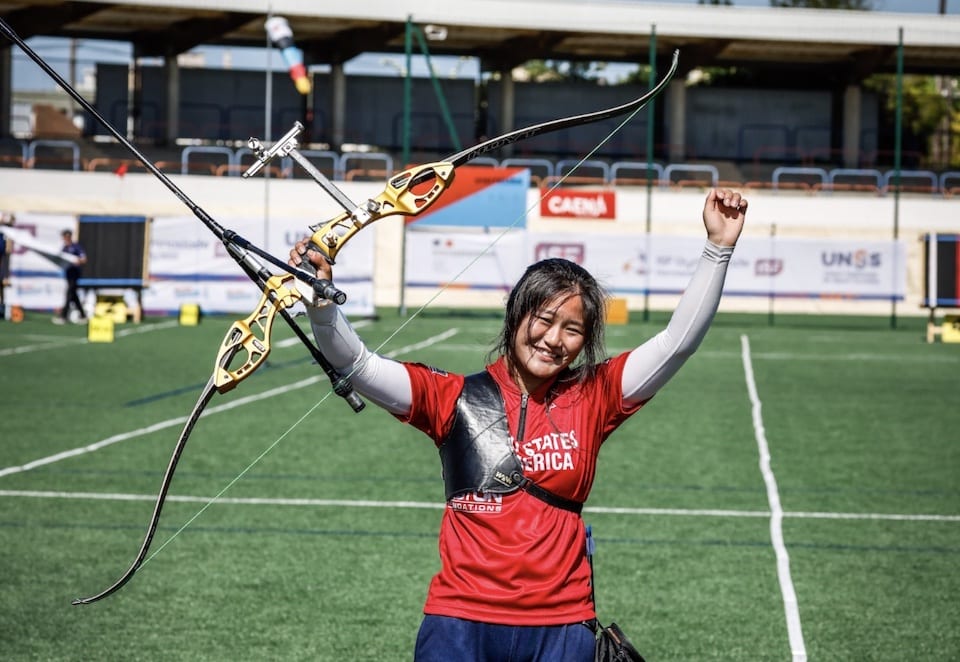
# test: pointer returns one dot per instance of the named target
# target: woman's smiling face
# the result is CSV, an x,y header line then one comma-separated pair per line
x,y
548,341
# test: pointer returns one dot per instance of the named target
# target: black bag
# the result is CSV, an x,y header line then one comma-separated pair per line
x,y
612,643
613,646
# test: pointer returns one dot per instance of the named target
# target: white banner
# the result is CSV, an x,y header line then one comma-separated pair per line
x,y
819,268
781,267
636,263
436,258
187,264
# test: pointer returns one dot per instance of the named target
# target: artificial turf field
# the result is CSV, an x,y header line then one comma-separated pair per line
x,y
322,540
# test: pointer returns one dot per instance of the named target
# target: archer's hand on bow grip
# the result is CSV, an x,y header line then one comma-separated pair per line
x,y
407,194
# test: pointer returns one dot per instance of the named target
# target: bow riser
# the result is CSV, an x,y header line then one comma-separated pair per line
x,y
404,196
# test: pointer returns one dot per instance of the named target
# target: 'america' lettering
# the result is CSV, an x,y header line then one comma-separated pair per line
x,y
555,461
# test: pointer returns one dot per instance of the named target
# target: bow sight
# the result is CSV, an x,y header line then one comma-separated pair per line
x,y
405,193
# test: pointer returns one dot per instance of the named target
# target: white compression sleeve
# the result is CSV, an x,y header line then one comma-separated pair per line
x,y
652,364
383,381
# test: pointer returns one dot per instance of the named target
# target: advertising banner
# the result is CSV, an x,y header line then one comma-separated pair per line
x,y
581,204
187,264
474,260
638,263
480,197
785,267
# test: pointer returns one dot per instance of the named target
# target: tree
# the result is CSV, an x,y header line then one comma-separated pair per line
x,y
930,109
556,70
824,4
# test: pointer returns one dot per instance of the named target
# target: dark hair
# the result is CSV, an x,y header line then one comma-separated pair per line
x,y
542,282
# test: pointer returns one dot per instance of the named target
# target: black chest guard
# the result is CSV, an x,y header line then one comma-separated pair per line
x,y
477,455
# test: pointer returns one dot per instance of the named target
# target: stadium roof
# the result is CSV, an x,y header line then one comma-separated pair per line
x,y
504,33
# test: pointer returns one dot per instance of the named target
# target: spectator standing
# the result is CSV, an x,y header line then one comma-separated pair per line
x,y
72,276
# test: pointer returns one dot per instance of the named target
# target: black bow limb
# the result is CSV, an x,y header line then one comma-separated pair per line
x,y
276,299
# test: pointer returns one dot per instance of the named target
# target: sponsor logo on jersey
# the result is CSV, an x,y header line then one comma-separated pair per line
x,y
477,503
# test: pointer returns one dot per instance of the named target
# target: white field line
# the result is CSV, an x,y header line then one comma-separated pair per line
x,y
449,333
294,340
790,606
139,432
180,420
438,505
60,342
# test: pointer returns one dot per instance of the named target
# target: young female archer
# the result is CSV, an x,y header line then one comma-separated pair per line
x,y
519,443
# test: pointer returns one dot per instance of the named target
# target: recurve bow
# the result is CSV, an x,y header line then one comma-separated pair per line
x,y
407,193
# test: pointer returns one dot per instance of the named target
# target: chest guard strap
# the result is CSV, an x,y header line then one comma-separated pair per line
x,y
476,454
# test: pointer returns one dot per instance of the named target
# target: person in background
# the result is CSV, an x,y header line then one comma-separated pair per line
x,y
519,443
72,275
5,249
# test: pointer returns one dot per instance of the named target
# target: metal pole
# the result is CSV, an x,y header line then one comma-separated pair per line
x,y
267,135
438,91
407,100
771,298
898,140
651,115
407,91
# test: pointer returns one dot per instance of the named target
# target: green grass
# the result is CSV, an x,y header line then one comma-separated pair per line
x,y
861,421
